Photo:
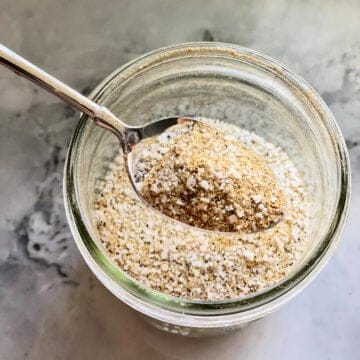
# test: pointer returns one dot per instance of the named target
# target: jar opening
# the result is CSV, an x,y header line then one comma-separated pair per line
x,y
157,83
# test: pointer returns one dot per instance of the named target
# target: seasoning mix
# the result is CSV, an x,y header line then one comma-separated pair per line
x,y
204,177
185,262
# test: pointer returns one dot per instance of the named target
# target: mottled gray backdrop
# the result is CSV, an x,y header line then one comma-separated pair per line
x,y
51,306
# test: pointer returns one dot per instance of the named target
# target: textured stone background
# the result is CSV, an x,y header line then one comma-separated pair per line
x,y
51,306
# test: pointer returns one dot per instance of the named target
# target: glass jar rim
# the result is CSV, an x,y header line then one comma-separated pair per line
x,y
140,295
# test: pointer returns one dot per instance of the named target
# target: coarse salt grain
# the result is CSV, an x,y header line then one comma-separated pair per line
x,y
204,184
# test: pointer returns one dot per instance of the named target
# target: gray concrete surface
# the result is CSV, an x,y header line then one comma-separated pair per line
x,y
51,306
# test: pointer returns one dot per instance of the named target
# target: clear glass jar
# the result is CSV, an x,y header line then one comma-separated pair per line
x,y
232,84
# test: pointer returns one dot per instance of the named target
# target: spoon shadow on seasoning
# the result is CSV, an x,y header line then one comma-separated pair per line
x,y
183,168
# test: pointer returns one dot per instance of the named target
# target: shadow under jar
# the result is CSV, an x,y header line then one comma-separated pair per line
x,y
237,86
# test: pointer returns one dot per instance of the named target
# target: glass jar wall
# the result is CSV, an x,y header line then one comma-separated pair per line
x,y
238,86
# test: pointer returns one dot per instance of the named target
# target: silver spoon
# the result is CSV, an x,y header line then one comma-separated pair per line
x,y
102,116
129,135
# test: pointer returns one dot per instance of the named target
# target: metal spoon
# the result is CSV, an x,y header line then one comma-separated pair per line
x,y
129,135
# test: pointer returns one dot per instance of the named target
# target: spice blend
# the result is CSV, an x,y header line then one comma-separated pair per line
x,y
204,177
183,262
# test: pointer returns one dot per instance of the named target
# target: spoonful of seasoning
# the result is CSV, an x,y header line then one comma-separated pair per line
x,y
181,167
204,177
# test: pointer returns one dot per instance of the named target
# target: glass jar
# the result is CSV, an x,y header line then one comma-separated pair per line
x,y
238,86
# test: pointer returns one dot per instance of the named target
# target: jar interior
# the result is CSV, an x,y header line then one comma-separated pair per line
x,y
233,89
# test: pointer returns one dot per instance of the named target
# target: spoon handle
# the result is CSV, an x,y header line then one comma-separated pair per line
x,y
20,66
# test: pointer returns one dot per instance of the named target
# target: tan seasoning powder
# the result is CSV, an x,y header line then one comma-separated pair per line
x,y
204,177
191,264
